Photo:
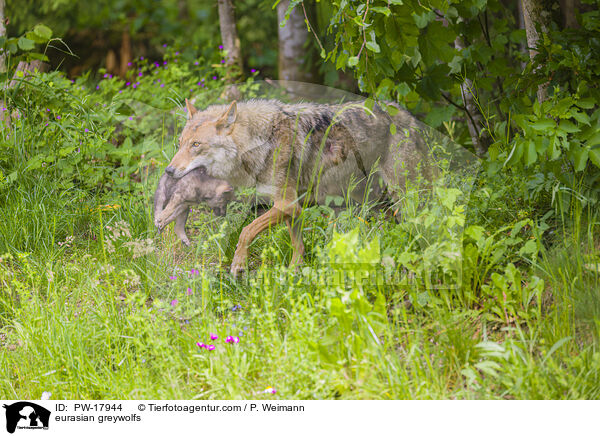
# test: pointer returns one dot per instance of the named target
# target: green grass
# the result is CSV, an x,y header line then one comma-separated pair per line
x,y
81,327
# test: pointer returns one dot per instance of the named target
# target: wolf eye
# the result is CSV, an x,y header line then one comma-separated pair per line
x,y
196,144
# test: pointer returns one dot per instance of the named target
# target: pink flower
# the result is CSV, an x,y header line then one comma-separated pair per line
x,y
229,339
220,47
173,277
189,291
211,347
130,118
174,302
140,74
253,70
201,344
87,130
235,340
213,337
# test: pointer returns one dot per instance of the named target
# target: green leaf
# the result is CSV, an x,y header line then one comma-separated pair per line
x,y
382,10
581,117
586,103
423,19
580,157
595,157
373,46
543,124
530,154
392,129
568,126
530,247
26,44
353,61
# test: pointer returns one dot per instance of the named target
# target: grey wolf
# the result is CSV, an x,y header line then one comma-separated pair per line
x,y
174,197
293,152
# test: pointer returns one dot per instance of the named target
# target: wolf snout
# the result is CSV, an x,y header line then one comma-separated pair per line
x,y
170,170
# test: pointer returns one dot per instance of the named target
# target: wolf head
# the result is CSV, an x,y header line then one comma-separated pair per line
x,y
206,142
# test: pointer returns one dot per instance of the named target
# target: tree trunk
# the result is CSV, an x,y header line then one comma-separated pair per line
x,y
27,69
567,9
292,41
2,33
475,120
231,42
536,13
125,53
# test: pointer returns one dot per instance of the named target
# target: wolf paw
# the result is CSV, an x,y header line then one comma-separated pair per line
x,y
237,267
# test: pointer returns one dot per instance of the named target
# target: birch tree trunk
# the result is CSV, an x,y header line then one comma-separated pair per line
x,y
292,41
536,13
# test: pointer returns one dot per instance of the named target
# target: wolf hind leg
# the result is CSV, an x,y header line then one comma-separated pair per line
x,y
284,209
180,226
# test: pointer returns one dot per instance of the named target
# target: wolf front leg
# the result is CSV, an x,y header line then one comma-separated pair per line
x,y
283,210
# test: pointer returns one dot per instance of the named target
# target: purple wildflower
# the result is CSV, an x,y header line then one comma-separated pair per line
x,y
128,64
222,61
47,110
211,347
130,118
58,117
46,124
141,58
164,45
220,47
214,78
176,53
173,277
201,344
189,291
128,83
196,63
97,86
86,130
105,75
213,337
174,302
235,340
253,70
162,85
229,339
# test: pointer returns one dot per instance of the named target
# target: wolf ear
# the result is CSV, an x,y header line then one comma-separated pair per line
x,y
229,116
190,108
